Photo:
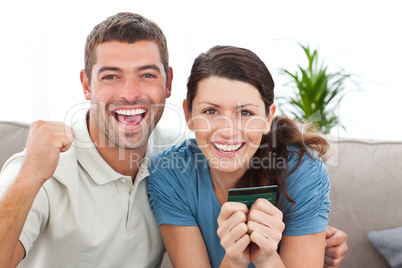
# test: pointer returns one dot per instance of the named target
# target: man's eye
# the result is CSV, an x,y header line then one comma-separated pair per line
x,y
149,75
109,77
210,111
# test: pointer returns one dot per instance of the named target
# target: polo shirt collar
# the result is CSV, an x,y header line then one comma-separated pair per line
x,y
89,157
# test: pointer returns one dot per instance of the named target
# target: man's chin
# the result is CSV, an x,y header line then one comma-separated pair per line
x,y
132,141
131,145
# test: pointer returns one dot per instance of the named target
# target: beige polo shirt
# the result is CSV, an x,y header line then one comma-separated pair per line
x,y
88,215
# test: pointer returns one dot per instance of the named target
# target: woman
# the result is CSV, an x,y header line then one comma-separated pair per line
x,y
239,143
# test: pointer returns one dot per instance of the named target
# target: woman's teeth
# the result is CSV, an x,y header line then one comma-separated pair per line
x,y
224,148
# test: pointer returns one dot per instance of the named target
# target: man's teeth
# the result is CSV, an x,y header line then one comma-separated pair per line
x,y
130,112
227,148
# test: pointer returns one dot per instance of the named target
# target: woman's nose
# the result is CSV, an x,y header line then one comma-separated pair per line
x,y
227,127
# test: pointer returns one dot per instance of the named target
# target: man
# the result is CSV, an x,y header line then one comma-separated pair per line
x,y
94,211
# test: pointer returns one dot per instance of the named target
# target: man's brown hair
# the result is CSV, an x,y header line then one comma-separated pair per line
x,y
125,27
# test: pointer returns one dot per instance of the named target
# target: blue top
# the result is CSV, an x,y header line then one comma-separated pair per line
x,y
181,193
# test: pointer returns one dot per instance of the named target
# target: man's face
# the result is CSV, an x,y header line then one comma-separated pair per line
x,y
127,92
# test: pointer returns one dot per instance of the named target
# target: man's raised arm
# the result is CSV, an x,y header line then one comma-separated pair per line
x,y
45,142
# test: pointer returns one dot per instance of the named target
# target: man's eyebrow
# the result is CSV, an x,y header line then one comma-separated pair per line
x,y
141,68
149,66
108,68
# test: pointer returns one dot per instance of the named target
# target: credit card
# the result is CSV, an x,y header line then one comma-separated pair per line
x,y
249,195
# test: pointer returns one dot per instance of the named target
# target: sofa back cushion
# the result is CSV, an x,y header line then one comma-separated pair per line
x,y
366,194
13,138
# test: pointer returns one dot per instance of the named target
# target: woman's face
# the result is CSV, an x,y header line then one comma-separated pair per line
x,y
228,118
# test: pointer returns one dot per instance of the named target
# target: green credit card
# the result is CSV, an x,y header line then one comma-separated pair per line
x,y
249,195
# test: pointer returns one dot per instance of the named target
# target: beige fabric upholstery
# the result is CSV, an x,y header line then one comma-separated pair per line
x,y
13,138
366,195
166,262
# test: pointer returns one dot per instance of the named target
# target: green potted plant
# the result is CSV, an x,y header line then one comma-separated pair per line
x,y
316,93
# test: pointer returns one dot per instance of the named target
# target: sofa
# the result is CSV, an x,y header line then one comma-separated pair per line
x,y
366,184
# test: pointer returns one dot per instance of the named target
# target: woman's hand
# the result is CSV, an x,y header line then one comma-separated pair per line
x,y
265,227
233,232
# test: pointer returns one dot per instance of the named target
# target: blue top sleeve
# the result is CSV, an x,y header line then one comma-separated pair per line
x,y
309,187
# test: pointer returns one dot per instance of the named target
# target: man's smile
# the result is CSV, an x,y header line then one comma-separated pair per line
x,y
129,117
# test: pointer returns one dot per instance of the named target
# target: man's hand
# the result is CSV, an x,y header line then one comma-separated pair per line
x,y
335,248
46,141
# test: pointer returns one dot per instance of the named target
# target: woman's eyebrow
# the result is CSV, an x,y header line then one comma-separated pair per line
x,y
209,103
240,106
248,104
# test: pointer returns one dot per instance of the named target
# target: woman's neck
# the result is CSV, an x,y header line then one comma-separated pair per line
x,y
223,181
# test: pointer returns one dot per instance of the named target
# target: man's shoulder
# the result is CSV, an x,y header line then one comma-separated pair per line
x,y
162,138
10,170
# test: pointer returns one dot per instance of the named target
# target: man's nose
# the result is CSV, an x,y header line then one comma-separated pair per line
x,y
130,90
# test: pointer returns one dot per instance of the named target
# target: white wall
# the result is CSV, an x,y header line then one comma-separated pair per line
x,y
42,45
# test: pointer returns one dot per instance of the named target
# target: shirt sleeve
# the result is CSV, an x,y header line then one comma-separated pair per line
x,y
38,215
309,187
167,187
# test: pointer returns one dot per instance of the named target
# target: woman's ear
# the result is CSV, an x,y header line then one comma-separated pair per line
x,y
187,114
85,84
272,110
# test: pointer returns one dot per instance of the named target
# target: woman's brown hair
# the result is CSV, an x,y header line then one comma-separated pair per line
x,y
243,65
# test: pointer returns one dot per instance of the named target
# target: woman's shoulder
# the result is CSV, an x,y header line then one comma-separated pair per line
x,y
303,164
175,161
172,172
309,157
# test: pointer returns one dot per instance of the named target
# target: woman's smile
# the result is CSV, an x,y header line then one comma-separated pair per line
x,y
228,149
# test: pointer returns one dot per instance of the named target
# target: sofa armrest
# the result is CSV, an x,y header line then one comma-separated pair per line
x,y
13,137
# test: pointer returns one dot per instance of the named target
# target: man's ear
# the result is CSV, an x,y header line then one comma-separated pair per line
x,y
187,114
272,110
169,83
85,84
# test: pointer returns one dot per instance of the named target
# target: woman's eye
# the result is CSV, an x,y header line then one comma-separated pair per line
x,y
245,113
210,111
